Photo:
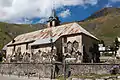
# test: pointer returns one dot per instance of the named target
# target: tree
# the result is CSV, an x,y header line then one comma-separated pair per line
x,y
116,45
102,42
1,56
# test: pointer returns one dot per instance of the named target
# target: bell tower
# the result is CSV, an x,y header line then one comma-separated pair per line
x,y
53,19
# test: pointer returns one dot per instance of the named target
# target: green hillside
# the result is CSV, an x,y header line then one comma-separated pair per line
x,y
9,31
105,26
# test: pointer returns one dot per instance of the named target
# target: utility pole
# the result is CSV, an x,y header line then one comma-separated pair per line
x,y
64,69
51,40
52,44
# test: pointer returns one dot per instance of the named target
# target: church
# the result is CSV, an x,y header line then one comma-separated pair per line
x,y
54,43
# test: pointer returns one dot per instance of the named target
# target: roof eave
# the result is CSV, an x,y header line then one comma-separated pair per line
x,y
20,43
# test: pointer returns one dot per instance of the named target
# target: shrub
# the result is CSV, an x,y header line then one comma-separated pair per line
x,y
114,70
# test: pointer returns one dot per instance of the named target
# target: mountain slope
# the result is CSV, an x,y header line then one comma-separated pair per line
x,y
105,12
9,31
104,24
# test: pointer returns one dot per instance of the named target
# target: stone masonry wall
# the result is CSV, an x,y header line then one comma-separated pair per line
x,y
44,69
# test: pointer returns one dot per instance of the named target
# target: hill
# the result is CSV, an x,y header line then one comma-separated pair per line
x,y
104,24
104,12
9,31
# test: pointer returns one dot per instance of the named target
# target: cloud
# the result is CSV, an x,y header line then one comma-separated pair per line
x,y
43,20
5,3
11,10
65,13
108,5
115,0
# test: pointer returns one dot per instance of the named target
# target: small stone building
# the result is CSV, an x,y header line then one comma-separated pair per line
x,y
56,43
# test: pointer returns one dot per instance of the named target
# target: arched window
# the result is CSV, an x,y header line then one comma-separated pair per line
x,y
18,49
75,45
69,47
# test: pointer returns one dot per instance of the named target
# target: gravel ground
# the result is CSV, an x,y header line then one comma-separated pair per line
x,y
6,77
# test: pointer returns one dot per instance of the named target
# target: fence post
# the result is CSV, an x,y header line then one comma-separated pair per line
x,y
1,69
64,70
28,71
2,73
9,69
39,76
51,71
19,72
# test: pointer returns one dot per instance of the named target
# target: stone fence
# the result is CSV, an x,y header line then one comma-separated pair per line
x,y
48,70
84,69
42,70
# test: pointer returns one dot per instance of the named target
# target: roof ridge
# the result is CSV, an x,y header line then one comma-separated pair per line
x,y
42,29
85,31
66,29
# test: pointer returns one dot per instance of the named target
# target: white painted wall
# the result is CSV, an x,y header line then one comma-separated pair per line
x,y
77,38
9,50
118,53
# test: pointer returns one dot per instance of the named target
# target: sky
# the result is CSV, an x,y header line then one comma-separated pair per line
x,y
38,11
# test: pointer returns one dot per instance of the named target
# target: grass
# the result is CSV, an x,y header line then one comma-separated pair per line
x,y
105,28
90,76
10,31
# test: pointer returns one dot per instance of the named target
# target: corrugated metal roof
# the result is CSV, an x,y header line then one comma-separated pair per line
x,y
43,35
44,41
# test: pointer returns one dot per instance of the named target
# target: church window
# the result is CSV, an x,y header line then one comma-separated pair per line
x,y
69,47
75,45
19,49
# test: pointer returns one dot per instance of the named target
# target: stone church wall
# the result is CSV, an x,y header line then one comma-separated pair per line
x,y
87,44
77,38
58,45
72,47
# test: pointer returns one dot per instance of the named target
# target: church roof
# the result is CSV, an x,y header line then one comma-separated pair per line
x,y
43,36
